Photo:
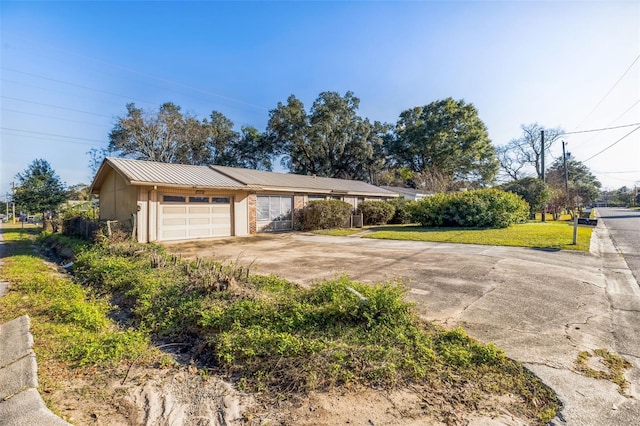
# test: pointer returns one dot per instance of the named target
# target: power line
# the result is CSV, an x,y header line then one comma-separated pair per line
x,y
625,172
47,139
73,84
625,111
583,142
609,92
56,118
599,130
50,134
161,79
595,155
55,106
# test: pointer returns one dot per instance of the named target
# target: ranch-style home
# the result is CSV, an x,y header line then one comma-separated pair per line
x,y
168,202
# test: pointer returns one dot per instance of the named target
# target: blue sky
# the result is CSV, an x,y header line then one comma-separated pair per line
x,y
69,68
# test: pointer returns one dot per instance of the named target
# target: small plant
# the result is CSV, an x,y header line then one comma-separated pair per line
x,y
614,365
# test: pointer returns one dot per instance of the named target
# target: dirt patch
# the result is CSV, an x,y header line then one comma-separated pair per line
x,y
186,396
176,396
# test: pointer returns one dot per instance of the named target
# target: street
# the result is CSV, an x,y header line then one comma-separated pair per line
x,y
624,228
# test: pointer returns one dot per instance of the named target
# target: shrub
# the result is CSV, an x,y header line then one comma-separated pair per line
x,y
485,208
376,212
79,223
325,214
403,212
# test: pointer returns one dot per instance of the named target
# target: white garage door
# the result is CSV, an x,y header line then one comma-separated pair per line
x,y
188,217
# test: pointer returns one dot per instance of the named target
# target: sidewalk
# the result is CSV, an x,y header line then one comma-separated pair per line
x,y
20,402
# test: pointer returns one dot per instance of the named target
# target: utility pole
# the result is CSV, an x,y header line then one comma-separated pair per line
x,y
544,208
13,203
566,172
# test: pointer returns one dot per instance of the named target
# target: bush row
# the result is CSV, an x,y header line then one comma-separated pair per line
x,y
485,208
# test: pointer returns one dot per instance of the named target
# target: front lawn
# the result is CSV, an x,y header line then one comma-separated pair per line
x,y
547,235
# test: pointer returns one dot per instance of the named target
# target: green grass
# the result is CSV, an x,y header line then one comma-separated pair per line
x,y
70,323
339,232
548,235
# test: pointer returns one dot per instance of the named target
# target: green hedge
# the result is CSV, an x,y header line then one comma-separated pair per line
x,y
404,210
484,208
376,212
325,214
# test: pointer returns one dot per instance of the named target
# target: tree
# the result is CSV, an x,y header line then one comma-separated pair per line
x,y
331,140
534,191
623,196
79,191
519,156
446,139
584,187
195,145
172,137
251,149
96,155
39,189
143,136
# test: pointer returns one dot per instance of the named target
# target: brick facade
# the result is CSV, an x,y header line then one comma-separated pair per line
x,y
252,204
298,205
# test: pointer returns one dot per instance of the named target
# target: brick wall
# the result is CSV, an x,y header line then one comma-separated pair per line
x,y
298,205
252,201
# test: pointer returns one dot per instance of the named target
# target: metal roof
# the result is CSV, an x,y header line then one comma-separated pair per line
x,y
301,183
155,173
140,172
402,190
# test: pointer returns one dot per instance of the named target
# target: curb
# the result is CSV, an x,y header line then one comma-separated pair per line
x,y
20,402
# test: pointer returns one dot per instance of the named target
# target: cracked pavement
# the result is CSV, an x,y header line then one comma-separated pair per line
x,y
542,307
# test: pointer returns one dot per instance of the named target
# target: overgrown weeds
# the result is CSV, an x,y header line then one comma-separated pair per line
x,y
614,367
279,339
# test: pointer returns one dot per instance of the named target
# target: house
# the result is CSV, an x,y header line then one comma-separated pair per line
x,y
182,202
408,193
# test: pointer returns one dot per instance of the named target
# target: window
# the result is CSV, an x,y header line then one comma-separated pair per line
x,y
221,200
198,199
274,211
316,197
174,199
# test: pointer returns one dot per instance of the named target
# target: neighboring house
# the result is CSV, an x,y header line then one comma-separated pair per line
x,y
183,202
407,193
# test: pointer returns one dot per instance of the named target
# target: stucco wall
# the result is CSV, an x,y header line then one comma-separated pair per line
x,y
241,214
117,199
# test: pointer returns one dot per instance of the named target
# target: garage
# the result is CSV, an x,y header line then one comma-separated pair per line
x,y
190,217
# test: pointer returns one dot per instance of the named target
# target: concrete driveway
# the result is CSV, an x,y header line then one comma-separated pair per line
x,y
541,307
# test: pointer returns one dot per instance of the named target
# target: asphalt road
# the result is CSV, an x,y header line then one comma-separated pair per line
x,y
624,229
